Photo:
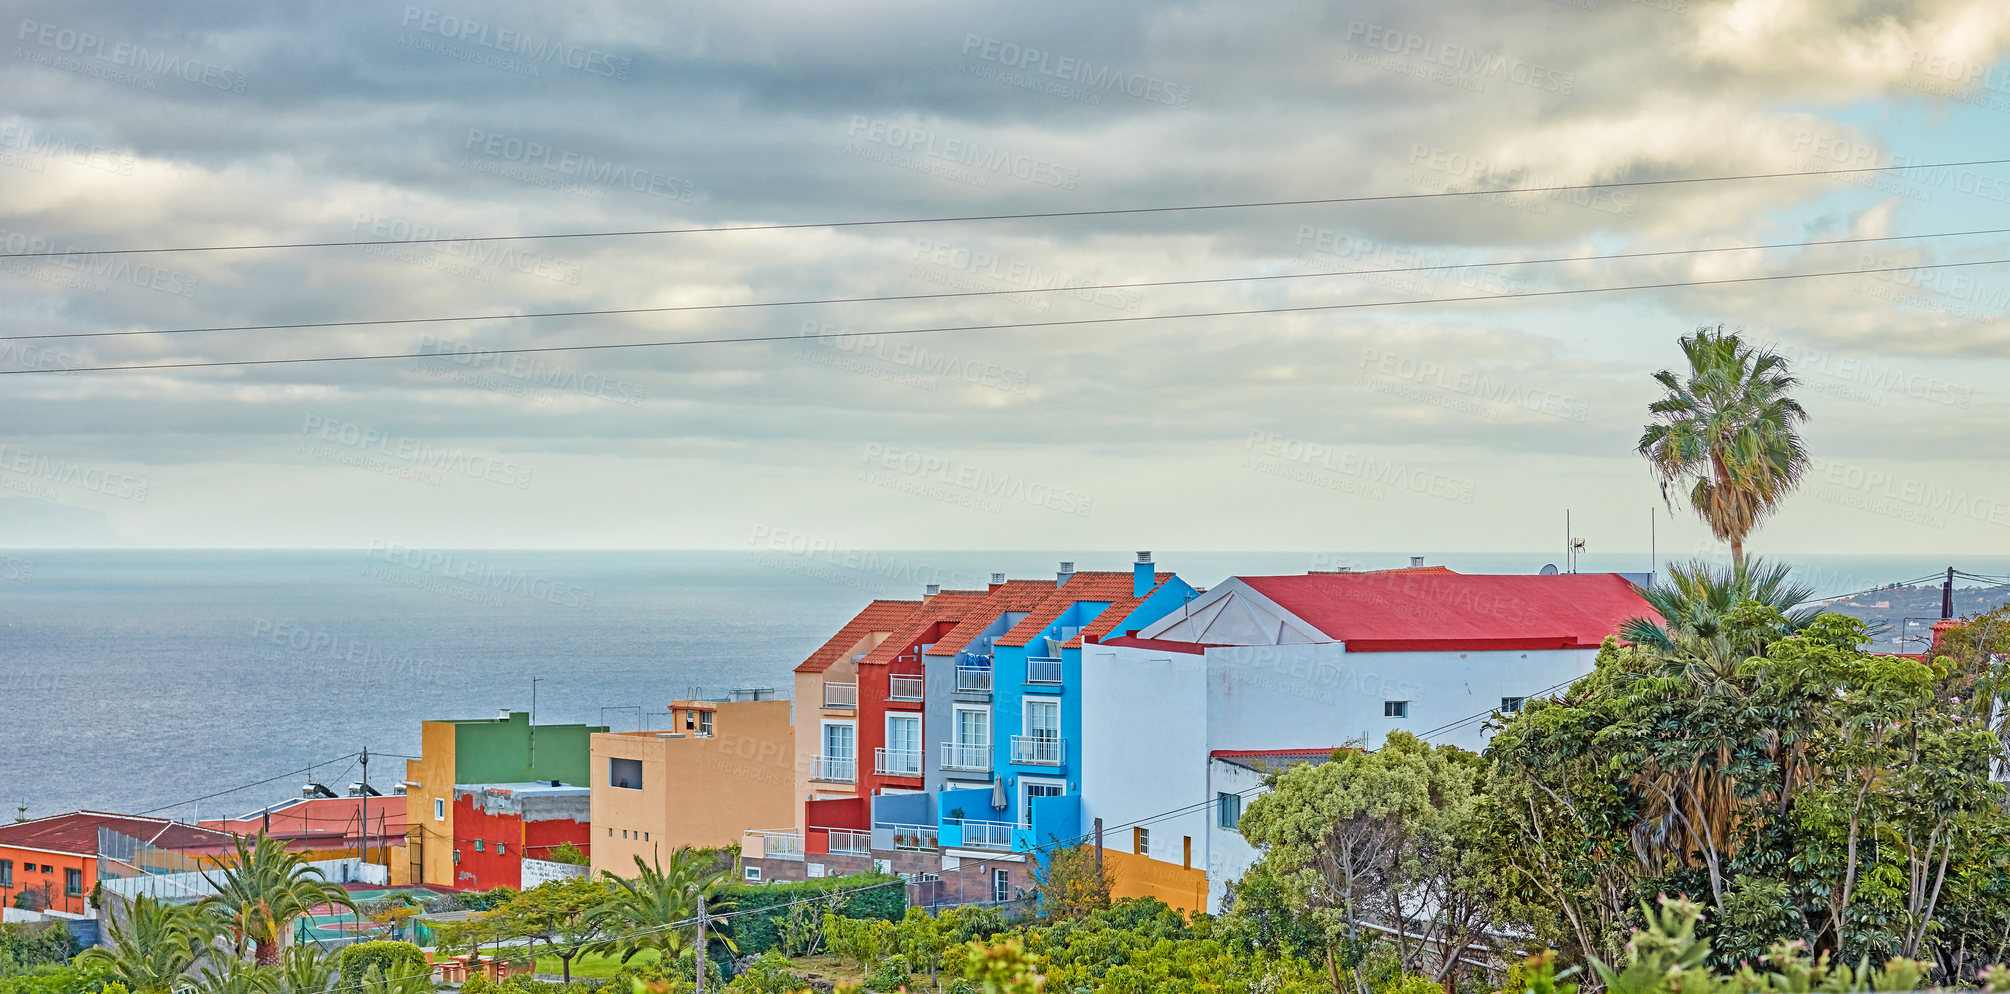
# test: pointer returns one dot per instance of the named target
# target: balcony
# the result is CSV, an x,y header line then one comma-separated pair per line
x,y
973,680
911,838
1043,670
834,769
904,688
966,757
897,762
1038,750
987,834
849,841
841,695
771,844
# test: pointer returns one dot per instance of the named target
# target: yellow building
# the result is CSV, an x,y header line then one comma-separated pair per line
x,y
723,768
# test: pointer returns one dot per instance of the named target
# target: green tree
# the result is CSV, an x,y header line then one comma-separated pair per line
x,y
1072,882
234,976
152,946
1726,431
562,914
656,909
1379,838
263,890
1694,606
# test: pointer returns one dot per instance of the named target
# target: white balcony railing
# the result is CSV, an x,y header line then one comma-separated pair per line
x,y
771,844
850,842
840,695
835,769
913,838
972,680
987,834
1038,750
897,762
966,756
904,688
1043,670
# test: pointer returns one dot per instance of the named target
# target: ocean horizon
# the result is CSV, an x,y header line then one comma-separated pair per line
x,y
174,681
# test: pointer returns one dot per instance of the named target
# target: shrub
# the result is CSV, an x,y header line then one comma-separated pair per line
x,y
1410,983
392,960
891,974
763,911
768,975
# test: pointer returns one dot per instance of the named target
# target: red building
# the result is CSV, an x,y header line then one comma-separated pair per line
x,y
499,825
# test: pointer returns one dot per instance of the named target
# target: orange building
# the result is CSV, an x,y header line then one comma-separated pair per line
x,y
724,767
53,863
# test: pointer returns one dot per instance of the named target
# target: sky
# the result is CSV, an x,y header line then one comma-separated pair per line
x,y
1468,424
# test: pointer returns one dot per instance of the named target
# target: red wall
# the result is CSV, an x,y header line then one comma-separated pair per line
x,y
485,869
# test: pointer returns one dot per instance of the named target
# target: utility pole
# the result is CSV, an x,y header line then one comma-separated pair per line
x,y
533,723
701,943
363,822
1947,595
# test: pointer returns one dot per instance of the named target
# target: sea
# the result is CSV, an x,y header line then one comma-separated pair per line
x,y
204,684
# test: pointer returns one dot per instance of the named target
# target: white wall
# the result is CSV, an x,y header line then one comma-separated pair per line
x,y
1229,856
1144,744
1319,695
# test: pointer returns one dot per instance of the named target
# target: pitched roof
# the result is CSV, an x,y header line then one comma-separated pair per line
x,y
1114,614
1012,595
77,833
1088,585
1426,610
319,818
946,608
878,616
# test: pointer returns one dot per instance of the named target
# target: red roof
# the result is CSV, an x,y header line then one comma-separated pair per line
x,y
1114,614
938,614
1088,585
878,616
76,833
1163,645
1426,610
307,819
1012,595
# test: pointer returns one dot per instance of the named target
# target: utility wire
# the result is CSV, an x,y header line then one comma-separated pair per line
x,y
605,312
255,783
1107,212
1246,312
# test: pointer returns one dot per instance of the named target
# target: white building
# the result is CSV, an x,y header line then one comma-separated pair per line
x,y
1299,665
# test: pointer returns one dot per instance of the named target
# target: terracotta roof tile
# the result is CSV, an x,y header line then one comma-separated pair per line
x,y
945,608
1012,595
1088,585
1114,615
878,616
77,832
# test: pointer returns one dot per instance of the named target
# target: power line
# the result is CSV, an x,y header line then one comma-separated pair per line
x,y
1106,212
255,783
1246,312
890,298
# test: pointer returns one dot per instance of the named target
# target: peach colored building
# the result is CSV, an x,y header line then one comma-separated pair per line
x,y
722,768
827,743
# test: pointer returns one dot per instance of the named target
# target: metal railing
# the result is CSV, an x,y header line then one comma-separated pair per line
x,y
772,844
987,834
840,695
835,769
1043,670
914,838
1038,750
966,756
904,688
972,680
897,762
850,841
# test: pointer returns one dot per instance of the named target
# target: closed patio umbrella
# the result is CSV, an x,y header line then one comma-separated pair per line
x,y
998,801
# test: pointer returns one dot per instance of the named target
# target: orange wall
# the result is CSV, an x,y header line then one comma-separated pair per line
x,y
696,790
53,882
1132,875
434,840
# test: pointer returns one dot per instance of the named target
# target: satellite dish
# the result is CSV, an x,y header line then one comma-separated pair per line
x,y
1549,569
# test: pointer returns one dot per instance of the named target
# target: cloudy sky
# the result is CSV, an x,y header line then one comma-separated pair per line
x,y
1467,424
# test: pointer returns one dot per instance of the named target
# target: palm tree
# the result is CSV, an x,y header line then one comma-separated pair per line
x,y
237,977
1696,605
264,890
154,946
303,970
656,909
1726,432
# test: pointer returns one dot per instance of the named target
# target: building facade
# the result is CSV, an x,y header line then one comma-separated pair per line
x,y
503,750
723,767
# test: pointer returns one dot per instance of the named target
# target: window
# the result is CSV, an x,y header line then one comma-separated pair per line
x,y
46,868
1511,704
6,873
457,855
753,874
1230,806
840,752
973,730
1037,788
704,722
903,745
624,773
73,882
478,845
502,850
1141,840
439,809
610,833
645,836
1001,886
624,833
1043,719
1395,709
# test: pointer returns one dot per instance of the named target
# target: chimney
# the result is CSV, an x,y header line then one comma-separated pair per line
x,y
932,589
997,580
1143,577
1061,576
1416,562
